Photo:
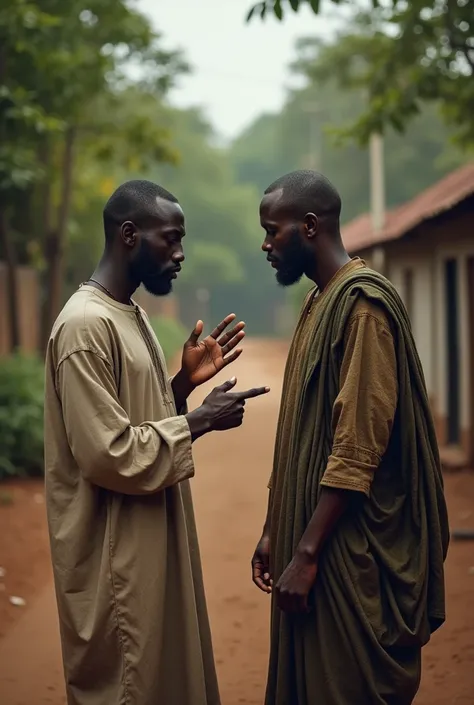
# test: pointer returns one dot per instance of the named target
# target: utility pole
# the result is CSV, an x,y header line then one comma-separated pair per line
x,y
377,182
377,195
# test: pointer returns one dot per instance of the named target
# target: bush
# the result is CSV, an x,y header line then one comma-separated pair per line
x,y
171,335
21,416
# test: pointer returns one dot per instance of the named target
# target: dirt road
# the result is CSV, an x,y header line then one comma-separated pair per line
x,y
230,496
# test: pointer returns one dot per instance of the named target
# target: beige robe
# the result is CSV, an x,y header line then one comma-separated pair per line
x,y
132,610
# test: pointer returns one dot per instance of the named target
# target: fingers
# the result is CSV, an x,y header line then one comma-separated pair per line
x,y
260,583
232,343
268,580
233,357
261,579
286,602
251,393
194,337
226,386
292,603
233,336
222,326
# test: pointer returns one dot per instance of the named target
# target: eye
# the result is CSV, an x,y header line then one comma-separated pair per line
x,y
271,232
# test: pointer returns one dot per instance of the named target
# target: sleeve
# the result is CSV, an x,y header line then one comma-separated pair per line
x,y
184,408
109,451
365,407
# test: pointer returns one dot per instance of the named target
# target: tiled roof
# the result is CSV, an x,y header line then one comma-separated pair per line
x,y
358,234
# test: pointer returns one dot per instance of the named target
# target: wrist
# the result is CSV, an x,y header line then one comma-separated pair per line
x,y
307,552
182,379
199,423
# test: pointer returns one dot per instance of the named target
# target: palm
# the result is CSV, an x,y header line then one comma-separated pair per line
x,y
203,359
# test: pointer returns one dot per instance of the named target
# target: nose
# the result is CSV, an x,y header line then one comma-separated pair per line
x,y
178,257
266,247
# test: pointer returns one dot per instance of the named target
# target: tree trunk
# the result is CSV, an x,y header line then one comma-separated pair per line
x,y
43,200
43,189
6,243
8,250
55,240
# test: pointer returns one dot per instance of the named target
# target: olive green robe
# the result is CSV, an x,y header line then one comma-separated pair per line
x,y
355,416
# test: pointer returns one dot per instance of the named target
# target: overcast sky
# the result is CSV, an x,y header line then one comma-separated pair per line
x,y
240,70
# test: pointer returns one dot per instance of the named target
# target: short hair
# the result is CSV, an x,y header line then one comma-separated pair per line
x,y
306,191
136,201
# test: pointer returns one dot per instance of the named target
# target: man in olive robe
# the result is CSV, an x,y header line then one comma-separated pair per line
x,y
356,532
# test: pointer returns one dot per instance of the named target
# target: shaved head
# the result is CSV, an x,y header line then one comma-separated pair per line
x,y
306,191
300,215
144,227
136,201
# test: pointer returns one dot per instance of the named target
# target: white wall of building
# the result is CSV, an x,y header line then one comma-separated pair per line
x,y
426,257
423,312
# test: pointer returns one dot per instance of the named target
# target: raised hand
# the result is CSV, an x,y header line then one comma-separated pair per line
x,y
203,359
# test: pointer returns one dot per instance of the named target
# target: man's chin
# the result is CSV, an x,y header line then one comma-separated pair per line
x,y
285,278
161,288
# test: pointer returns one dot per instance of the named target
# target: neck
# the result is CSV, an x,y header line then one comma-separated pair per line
x,y
327,265
113,275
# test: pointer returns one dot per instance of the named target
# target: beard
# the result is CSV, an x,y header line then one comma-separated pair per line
x,y
143,271
158,285
292,264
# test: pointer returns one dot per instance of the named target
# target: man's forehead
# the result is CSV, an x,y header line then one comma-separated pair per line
x,y
270,205
168,211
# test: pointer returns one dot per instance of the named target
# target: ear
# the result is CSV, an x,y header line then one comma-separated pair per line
x,y
311,225
128,232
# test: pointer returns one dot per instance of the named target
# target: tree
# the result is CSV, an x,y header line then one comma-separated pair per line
x,y
129,133
63,74
19,118
279,143
403,54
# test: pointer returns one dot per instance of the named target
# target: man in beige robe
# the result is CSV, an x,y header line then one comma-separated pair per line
x,y
118,459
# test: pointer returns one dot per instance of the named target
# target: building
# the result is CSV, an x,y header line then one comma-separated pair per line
x,y
426,248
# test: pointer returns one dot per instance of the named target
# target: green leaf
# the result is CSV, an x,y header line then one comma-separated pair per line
x,y
260,7
294,5
277,9
314,6
251,13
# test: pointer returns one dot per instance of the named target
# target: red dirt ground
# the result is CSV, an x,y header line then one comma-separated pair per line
x,y
230,494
